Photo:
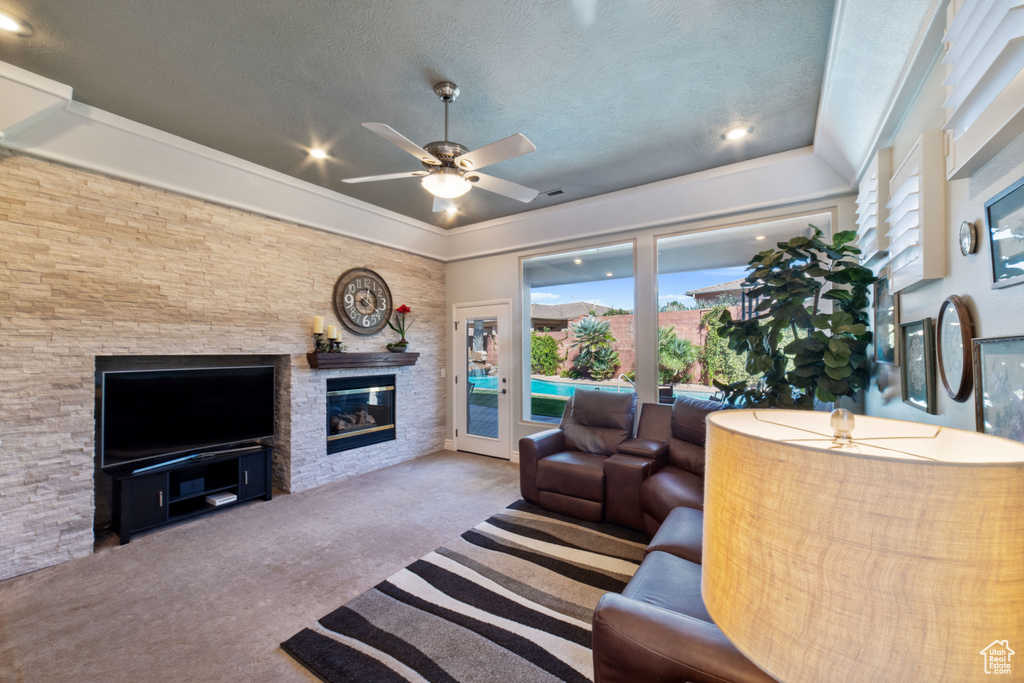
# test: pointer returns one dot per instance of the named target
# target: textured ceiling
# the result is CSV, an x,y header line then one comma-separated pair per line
x,y
613,94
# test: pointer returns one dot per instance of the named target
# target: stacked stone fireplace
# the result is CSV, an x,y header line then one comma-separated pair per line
x,y
360,411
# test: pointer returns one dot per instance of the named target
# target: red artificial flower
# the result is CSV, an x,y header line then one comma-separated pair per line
x,y
403,309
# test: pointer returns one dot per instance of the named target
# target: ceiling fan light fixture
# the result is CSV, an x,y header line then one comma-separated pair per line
x,y
446,185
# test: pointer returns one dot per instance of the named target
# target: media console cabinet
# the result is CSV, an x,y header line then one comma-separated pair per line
x,y
150,499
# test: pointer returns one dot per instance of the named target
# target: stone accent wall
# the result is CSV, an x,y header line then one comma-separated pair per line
x,y
92,266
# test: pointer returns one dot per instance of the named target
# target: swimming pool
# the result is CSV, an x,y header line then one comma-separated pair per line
x,y
550,388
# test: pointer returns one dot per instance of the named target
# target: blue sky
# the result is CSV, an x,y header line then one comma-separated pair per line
x,y
619,293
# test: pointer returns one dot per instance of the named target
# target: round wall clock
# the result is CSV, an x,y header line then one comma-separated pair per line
x,y
955,332
968,238
362,301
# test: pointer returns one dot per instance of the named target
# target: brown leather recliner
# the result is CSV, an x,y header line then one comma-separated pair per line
x,y
658,629
562,469
677,481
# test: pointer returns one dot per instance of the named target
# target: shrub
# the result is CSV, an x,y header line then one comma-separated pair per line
x,y
544,356
718,362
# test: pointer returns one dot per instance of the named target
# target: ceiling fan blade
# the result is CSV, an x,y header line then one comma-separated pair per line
x,y
386,176
396,138
507,148
503,187
442,204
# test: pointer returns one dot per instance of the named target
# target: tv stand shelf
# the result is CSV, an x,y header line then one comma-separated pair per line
x,y
153,498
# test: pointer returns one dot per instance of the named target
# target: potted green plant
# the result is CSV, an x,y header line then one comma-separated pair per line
x,y
799,352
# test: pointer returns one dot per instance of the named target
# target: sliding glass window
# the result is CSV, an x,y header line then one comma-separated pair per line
x,y
580,330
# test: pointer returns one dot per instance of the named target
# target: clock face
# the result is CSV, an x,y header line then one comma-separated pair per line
x,y
362,301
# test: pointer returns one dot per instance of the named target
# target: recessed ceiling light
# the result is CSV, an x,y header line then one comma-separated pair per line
x,y
317,153
452,210
608,274
13,25
759,237
577,261
737,133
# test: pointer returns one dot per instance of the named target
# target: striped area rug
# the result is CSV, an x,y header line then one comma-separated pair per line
x,y
510,600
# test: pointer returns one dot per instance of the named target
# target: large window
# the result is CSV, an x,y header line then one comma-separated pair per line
x,y
699,275
580,330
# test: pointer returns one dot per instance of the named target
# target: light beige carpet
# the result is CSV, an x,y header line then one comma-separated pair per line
x,y
211,599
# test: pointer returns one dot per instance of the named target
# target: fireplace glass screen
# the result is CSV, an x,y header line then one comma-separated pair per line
x,y
360,411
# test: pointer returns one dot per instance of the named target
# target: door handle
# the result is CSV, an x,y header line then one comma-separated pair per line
x,y
504,391
246,477
160,498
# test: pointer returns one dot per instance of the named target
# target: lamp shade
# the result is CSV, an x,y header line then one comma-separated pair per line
x,y
447,185
897,558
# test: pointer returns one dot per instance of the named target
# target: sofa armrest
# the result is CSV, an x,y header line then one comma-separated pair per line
x,y
643,448
623,475
635,641
531,449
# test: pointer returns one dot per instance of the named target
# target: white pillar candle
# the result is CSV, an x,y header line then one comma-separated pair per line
x,y
332,331
318,324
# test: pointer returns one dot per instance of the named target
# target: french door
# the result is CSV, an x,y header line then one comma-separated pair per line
x,y
482,381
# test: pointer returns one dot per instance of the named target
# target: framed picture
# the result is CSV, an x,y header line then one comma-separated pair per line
x,y
887,318
917,372
1004,217
955,331
999,376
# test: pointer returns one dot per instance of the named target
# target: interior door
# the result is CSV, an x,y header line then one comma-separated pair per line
x,y
482,382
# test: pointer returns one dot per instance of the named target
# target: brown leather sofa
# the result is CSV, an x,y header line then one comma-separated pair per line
x,y
658,629
563,470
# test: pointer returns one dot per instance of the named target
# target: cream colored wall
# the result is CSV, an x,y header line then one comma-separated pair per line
x,y
997,312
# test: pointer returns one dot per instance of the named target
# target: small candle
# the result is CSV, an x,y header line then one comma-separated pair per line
x,y
332,331
318,324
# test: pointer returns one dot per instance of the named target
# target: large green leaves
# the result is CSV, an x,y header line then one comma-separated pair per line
x,y
798,351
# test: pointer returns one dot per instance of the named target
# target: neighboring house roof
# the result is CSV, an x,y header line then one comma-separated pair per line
x,y
725,287
567,311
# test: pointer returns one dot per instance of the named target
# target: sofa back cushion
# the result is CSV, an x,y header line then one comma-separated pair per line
x,y
598,421
686,445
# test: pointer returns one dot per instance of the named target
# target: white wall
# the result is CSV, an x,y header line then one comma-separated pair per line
x,y
995,313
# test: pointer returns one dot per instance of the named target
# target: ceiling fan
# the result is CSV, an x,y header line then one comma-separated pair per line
x,y
451,170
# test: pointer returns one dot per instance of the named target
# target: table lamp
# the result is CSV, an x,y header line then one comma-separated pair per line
x,y
879,550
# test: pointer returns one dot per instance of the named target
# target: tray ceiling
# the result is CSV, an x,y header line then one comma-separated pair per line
x,y
613,94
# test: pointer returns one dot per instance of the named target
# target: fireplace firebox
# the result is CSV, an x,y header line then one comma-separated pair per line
x,y
360,411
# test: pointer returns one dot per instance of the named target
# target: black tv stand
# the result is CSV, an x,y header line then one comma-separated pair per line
x,y
152,497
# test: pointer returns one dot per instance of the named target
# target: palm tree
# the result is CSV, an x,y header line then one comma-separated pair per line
x,y
675,356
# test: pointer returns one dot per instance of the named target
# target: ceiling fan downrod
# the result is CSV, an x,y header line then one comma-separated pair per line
x,y
447,91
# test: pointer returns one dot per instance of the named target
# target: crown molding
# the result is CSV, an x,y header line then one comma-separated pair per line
x,y
53,127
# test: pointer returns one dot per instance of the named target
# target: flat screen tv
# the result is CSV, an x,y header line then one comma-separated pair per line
x,y
152,416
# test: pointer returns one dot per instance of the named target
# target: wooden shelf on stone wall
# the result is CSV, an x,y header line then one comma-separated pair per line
x,y
326,361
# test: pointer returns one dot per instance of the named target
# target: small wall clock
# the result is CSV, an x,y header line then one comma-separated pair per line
x,y
362,301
